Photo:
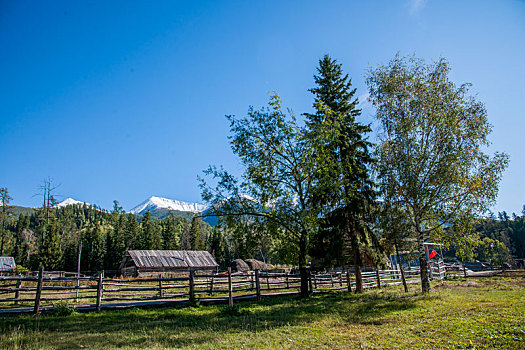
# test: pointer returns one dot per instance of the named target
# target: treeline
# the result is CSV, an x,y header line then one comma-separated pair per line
x,y
52,236
501,239
106,236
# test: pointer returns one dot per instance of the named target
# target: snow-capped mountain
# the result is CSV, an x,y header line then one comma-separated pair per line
x,y
153,203
69,201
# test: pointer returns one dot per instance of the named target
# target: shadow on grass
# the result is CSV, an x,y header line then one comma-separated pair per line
x,y
177,327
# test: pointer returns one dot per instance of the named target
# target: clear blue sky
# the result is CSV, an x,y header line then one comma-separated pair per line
x,y
126,99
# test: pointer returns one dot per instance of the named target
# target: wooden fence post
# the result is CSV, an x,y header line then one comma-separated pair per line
x,y
99,291
211,286
102,291
161,291
192,286
348,282
287,281
378,278
310,280
18,286
230,289
257,285
36,310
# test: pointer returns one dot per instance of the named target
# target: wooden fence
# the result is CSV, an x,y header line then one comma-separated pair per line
x,y
45,290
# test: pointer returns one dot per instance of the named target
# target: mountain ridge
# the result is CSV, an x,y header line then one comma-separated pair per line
x,y
154,202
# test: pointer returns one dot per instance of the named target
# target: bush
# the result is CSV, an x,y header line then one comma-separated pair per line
x,y
20,270
62,308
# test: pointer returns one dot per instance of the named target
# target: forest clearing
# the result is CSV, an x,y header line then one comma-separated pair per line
x,y
465,314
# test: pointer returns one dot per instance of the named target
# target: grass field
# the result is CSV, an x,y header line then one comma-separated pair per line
x,y
472,314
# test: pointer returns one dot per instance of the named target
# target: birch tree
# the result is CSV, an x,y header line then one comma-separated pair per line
x,y
432,158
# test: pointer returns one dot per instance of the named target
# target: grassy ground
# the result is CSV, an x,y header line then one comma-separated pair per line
x,y
480,313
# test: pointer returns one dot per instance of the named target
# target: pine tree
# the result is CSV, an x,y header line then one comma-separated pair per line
x,y
146,237
343,183
217,246
185,237
156,236
170,235
4,217
196,242
19,242
50,252
131,234
93,249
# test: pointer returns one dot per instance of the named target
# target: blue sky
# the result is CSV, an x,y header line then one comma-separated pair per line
x,y
126,99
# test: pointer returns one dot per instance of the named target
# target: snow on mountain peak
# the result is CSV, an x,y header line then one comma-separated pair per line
x,y
154,202
69,201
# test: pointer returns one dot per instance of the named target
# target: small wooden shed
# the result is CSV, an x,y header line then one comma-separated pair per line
x,y
137,262
7,264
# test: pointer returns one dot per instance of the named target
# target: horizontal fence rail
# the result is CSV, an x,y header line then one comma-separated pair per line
x,y
45,289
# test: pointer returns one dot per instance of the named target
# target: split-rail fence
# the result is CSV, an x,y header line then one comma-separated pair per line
x,y
97,292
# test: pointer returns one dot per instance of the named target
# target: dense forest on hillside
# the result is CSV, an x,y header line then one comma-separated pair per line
x,y
51,236
107,235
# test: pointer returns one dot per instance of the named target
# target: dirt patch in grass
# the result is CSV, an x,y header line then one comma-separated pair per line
x,y
471,284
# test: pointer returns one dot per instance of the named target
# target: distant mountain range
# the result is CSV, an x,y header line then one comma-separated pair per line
x,y
158,207
153,203
69,201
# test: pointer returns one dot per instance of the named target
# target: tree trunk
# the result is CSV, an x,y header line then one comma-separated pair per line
x,y
357,264
358,275
423,263
302,265
401,267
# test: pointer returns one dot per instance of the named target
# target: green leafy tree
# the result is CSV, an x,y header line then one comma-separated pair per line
x,y
430,152
276,191
343,185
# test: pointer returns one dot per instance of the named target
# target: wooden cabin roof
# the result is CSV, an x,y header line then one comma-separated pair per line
x,y
172,259
7,263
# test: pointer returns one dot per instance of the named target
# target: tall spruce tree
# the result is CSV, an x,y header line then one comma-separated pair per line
x,y
170,235
19,242
5,213
196,241
146,236
131,233
344,187
50,252
217,246
94,250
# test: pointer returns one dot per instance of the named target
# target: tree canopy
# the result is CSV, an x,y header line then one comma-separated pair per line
x,y
431,150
